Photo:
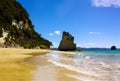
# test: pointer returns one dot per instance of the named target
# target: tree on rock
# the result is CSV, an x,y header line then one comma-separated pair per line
x,y
67,42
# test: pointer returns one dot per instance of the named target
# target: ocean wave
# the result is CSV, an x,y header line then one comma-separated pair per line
x,y
63,52
101,67
82,78
76,69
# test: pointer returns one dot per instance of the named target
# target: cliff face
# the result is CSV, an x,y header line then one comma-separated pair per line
x,y
67,42
14,20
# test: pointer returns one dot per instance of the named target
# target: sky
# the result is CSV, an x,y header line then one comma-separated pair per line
x,y
93,23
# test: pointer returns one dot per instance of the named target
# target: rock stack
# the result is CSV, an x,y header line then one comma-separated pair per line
x,y
113,48
67,42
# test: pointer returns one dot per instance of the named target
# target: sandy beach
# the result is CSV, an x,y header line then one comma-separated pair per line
x,y
15,54
46,65
21,51
13,66
29,65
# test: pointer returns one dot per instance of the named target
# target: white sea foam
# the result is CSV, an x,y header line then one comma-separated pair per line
x,y
118,66
76,69
87,57
79,54
89,66
67,52
81,78
82,55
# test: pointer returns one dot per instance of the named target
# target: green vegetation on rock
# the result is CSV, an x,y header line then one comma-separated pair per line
x,y
67,42
14,20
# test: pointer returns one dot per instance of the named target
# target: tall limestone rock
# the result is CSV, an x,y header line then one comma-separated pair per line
x,y
67,42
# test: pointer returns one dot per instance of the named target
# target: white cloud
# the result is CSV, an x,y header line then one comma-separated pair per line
x,y
57,32
94,33
106,3
51,34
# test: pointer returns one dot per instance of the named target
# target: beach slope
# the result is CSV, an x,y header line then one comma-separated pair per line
x,y
15,54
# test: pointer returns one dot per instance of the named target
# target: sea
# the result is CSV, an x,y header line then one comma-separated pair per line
x,y
89,64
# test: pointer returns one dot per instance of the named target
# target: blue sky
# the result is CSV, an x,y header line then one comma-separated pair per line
x,y
93,23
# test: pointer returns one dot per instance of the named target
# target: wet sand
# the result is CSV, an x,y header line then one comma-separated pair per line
x,y
15,71
46,71
13,64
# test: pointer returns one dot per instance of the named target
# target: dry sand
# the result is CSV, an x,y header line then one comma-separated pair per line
x,y
16,54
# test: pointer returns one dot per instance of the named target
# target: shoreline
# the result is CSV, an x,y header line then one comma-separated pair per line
x,y
19,54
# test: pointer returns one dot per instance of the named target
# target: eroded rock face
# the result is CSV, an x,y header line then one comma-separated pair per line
x,y
113,48
67,42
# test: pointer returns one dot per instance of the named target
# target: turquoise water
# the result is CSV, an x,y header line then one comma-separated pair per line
x,y
102,55
101,51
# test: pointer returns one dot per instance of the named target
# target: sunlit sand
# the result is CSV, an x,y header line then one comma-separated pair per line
x,y
13,66
15,54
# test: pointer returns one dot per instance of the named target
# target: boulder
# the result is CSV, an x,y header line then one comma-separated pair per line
x,y
67,42
113,48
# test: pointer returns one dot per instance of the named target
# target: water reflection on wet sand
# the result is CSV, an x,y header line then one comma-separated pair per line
x,y
46,71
